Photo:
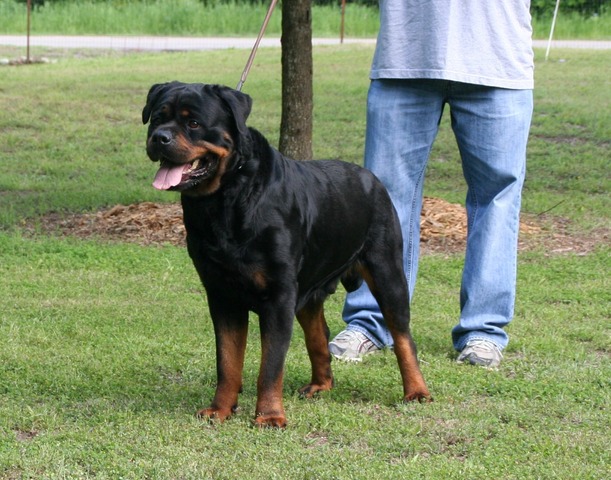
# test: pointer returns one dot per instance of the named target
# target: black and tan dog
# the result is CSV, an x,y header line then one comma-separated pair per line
x,y
274,236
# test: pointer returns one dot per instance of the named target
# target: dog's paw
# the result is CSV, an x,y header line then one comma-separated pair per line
x,y
311,389
272,420
419,396
218,414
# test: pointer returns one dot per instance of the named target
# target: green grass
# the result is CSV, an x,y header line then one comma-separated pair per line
x,y
574,26
194,17
106,350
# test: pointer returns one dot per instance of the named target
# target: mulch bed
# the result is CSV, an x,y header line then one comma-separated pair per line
x,y
443,228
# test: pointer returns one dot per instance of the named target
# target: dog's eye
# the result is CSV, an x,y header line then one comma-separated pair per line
x,y
193,124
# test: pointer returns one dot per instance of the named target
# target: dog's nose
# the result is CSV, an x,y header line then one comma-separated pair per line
x,y
163,137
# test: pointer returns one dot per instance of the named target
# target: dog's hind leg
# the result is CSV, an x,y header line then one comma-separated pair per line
x,y
386,280
312,319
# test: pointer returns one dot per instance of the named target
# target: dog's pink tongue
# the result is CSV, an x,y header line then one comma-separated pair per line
x,y
168,176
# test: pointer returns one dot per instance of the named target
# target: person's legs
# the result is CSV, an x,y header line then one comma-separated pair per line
x,y
402,121
491,126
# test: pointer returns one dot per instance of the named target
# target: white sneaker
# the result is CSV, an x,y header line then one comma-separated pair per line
x,y
351,346
482,353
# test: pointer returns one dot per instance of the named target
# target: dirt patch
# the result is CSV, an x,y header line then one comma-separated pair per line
x,y
25,435
443,228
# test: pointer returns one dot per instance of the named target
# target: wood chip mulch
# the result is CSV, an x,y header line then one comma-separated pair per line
x,y
443,227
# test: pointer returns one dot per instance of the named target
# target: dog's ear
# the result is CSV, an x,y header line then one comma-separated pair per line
x,y
240,105
154,93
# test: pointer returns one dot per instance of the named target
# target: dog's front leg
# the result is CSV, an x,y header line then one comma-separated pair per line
x,y
231,331
276,323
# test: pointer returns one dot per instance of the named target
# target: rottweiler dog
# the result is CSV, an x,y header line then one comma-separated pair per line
x,y
274,236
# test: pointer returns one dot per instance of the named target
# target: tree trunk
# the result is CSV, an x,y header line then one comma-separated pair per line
x,y
297,101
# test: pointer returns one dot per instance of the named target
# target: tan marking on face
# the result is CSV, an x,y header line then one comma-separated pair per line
x,y
218,151
188,152
183,147
214,183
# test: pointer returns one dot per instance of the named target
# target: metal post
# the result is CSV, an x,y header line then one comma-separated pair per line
x,y
551,30
341,33
29,8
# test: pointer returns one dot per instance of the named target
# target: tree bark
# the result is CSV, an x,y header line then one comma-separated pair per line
x,y
297,94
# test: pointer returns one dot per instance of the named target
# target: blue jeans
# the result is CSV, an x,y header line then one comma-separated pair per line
x,y
491,128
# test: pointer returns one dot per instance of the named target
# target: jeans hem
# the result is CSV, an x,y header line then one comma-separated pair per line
x,y
368,334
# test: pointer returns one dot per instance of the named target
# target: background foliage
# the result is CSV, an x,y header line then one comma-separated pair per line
x,y
538,7
241,18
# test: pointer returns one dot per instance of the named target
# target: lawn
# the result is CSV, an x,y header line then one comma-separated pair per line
x,y
106,349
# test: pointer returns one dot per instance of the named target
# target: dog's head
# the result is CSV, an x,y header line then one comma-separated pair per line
x,y
197,132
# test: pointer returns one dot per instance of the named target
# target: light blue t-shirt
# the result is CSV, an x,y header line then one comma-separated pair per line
x,y
483,42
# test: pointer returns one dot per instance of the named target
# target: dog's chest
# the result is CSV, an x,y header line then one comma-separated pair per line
x,y
242,267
